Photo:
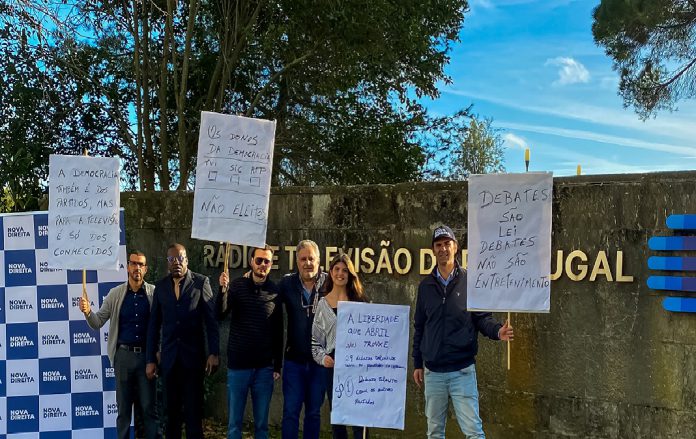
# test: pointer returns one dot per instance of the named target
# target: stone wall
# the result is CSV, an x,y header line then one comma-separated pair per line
x,y
607,362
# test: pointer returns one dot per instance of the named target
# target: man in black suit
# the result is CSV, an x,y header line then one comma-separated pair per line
x,y
182,307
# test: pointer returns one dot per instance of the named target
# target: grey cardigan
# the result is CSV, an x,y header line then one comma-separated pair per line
x,y
323,332
110,310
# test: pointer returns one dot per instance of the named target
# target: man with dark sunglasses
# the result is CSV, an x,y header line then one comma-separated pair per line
x,y
183,312
255,343
127,308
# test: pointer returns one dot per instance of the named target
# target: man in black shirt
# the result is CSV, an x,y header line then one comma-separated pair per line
x,y
255,343
183,318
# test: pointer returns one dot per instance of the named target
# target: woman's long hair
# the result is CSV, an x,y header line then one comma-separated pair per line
x,y
354,286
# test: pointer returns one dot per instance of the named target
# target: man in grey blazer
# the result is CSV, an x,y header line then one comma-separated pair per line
x,y
127,308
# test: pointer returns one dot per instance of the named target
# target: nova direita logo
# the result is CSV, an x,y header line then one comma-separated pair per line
x,y
21,415
53,413
111,409
20,341
17,232
52,376
20,304
85,373
21,378
86,410
83,338
51,303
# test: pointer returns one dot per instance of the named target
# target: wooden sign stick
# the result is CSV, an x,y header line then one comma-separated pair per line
x,y
226,263
509,314
509,347
84,272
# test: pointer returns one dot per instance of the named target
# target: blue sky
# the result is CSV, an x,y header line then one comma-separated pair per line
x,y
533,67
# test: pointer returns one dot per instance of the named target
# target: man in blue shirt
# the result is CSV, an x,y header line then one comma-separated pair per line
x,y
127,308
303,379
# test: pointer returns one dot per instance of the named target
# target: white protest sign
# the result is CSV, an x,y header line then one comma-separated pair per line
x,y
83,212
233,179
509,242
369,387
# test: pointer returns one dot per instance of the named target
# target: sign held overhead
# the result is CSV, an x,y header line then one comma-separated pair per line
x,y
233,179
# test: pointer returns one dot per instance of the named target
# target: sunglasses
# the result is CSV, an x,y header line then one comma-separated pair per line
x,y
180,259
261,261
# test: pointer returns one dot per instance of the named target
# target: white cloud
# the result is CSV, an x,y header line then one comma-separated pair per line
x,y
513,141
673,125
682,150
570,71
484,4
567,161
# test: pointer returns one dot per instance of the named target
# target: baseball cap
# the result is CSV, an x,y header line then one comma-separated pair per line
x,y
443,232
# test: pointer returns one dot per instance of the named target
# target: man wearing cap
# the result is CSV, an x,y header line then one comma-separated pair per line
x,y
446,341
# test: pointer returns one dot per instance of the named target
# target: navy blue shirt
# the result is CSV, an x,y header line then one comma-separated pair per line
x,y
132,322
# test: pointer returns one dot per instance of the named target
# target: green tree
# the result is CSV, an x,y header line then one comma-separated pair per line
x,y
481,150
42,109
341,79
653,46
468,144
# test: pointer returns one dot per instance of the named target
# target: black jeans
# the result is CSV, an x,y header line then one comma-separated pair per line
x,y
340,431
133,387
183,400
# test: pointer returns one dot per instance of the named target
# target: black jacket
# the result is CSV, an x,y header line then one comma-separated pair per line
x,y
256,324
446,336
300,316
182,322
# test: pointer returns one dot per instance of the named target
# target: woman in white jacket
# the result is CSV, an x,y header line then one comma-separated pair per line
x,y
342,284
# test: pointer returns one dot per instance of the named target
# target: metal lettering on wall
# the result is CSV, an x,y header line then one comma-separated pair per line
x,y
387,259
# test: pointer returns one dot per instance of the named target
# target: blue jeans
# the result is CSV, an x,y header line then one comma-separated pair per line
x,y
239,382
303,383
461,386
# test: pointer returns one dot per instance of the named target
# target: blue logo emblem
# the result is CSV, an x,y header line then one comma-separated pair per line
x,y
20,268
53,303
675,263
41,230
3,376
54,376
2,308
109,375
83,339
22,341
22,414
87,410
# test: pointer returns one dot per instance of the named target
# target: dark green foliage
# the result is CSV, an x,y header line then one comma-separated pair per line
x,y
341,79
653,45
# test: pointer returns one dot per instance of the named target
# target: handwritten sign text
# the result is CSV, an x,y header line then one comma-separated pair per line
x,y
83,214
509,242
369,387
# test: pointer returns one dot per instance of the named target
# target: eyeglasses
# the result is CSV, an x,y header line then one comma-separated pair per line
x,y
171,259
260,261
137,264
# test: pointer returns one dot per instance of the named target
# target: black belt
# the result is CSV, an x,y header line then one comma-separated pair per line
x,y
136,349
